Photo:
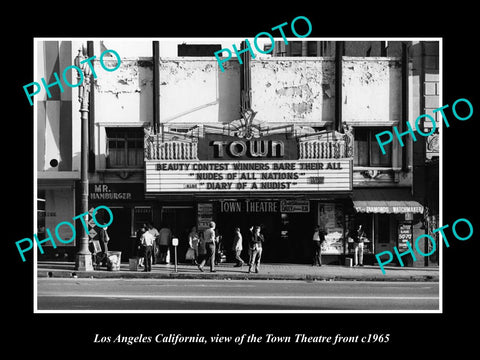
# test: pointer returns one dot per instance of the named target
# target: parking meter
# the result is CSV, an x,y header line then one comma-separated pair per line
x,y
175,244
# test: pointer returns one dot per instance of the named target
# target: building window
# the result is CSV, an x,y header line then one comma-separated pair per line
x,y
41,214
367,151
295,48
312,48
198,49
124,147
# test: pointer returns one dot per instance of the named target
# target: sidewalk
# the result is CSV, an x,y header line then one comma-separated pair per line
x,y
228,271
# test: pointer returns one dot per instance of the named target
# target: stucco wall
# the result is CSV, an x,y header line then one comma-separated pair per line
x,y
126,94
293,89
195,91
371,90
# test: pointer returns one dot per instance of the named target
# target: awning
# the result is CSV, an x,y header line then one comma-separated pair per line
x,y
385,201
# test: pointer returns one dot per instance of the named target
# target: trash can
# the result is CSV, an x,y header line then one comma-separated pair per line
x,y
113,260
348,262
133,264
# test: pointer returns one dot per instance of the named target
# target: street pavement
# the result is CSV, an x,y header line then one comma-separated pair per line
x,y
228,271
194,295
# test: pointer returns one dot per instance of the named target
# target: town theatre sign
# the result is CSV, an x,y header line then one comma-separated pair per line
x,y
219,159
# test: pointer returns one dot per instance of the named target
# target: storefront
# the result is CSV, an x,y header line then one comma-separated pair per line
x,y
282,181
390,218
55,204
130,211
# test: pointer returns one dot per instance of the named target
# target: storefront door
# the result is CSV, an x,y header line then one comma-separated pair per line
x,y
385,238
270,228
180,220
120,230
287,236
298,247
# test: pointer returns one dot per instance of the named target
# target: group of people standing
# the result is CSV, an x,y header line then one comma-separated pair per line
x,y
356,235
152,245
205,247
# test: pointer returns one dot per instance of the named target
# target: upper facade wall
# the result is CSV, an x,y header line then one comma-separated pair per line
x,y
126,94
284,90
195,91
294,90
371,91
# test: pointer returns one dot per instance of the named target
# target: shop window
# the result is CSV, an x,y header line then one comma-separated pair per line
x,y
367,151
124,147
366,221
41,214
312,48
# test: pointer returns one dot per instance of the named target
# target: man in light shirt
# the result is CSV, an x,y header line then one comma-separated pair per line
x,y
147,240
152,230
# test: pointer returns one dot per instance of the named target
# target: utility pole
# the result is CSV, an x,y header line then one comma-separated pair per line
x,y
83,259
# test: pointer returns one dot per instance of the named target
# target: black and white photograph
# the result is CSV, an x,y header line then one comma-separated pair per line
x,y
230,175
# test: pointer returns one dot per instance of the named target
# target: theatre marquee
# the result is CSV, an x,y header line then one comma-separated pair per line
x,y
242,160
325,175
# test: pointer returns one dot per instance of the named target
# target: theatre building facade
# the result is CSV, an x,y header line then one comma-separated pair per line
x,y
284,143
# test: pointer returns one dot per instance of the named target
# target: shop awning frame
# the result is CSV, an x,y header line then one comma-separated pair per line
x,y
385,201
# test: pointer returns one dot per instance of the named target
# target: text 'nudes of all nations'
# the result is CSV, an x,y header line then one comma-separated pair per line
x,y
464,116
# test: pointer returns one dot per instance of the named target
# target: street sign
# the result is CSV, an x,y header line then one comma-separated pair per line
x,y
92,233
91,223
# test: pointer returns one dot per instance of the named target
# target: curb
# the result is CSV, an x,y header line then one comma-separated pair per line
x,y
46,273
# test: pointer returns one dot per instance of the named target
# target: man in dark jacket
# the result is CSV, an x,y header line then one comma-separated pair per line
x,y
103,239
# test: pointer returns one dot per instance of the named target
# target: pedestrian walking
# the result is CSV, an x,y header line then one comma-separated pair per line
x,y
249,242
201,248
152,230
147,240
359,236
209,238
218,247
317,240
256,248
237,247
193,243
164,240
